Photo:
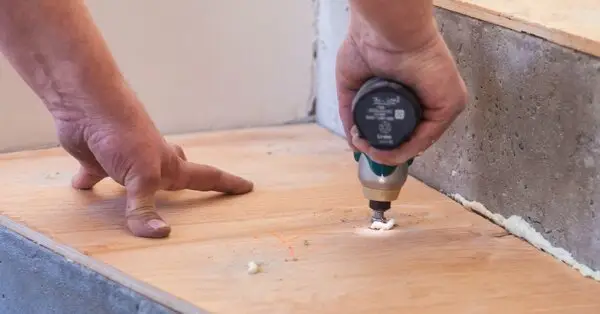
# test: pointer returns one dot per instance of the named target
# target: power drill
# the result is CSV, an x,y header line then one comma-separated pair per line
x,y
386,113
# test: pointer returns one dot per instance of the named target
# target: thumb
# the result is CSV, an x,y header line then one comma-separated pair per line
x,y
351,72
86,179
142,218
345,97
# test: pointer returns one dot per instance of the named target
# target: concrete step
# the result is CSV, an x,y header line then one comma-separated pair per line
x,y
528,141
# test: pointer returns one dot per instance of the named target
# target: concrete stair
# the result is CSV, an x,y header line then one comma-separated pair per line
x,y
528,142
527,145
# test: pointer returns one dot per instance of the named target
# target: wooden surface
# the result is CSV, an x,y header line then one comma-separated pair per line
x,y
574,24
306,221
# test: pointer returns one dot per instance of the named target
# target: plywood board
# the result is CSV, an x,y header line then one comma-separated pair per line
x,y
574,24
306,223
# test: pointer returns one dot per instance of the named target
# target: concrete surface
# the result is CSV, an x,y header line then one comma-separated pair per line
x,y
196,65
332,23
528,142
35,280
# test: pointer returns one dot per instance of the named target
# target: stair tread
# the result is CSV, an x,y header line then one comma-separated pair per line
x,y
574,24
308,206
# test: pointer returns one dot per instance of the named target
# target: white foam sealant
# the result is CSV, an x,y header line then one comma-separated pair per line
x,y
521,228
378,225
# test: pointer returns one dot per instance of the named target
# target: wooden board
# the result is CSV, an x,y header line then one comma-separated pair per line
x,y
574,24
306,221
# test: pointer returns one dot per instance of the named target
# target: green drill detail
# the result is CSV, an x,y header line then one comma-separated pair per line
x,y
377,168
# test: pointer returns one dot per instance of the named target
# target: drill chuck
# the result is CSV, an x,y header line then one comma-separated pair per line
x,y
386,113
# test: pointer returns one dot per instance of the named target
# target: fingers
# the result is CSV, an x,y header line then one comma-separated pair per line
x,y
351,73
345,97
85,180
206,178
188,175
142,218
439,114
179,151
380,156
425,135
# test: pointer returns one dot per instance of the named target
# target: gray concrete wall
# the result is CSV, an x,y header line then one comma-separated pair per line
x,y
35,280
528,143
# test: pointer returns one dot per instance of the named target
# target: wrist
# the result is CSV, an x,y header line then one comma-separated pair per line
x,y
113,107
110,98
396,35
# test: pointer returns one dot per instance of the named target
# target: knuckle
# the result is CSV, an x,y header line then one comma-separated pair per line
x,y
461,102
454,107
457,109
144,181
178,151
462,97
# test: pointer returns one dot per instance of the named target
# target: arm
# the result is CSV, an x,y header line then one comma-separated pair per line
x,y
57,49
60,53
398,23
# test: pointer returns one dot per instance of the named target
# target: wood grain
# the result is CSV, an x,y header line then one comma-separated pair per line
x,y
573,24
306,222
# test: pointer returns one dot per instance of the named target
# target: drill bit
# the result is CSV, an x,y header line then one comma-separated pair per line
x,y
378,215
379,209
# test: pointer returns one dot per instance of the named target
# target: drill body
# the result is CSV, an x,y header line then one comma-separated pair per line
x,y
386,113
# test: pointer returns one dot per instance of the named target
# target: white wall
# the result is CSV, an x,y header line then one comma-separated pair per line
x,y
332,24
196,64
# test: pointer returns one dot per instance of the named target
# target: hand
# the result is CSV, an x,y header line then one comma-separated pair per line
x,y
428,68
61,54
130,150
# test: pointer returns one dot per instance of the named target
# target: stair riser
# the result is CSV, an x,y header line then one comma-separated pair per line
x,y
528,142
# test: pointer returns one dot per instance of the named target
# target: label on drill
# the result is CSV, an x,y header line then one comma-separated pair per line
x,y
385,111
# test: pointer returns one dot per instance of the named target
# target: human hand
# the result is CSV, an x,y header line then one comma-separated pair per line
x,y
428,68
130,150
59,52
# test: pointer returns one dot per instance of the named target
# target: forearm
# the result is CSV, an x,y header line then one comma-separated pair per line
x,y
57,49
403,24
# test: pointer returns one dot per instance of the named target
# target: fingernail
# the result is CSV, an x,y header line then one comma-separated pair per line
x,y
247,187
156,224
354,131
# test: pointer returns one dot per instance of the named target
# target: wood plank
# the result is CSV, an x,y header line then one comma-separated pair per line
x,y
573,24
440,259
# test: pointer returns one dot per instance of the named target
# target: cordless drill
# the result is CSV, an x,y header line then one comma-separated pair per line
x,y
386,113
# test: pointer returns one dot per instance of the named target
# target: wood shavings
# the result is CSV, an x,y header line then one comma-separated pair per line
x,y
383,226
253,268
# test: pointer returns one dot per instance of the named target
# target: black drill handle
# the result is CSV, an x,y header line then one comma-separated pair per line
x,y
386,113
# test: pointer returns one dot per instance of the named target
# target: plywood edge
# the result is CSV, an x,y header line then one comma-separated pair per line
x,y
519,24
111,273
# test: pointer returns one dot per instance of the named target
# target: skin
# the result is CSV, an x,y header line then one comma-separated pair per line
x,y
399,40
59,52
